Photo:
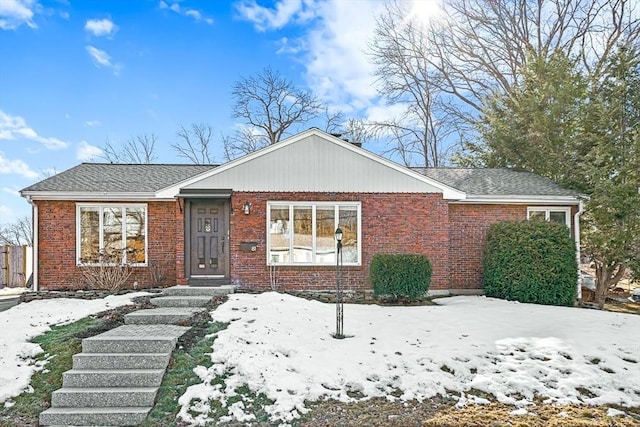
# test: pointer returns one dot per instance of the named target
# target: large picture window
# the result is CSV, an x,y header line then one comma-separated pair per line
x,y
113,234
303,233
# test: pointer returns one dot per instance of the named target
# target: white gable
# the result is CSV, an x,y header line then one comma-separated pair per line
x,y
314,161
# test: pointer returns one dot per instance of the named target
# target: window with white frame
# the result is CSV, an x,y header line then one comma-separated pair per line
x,y
302,233
550,213
111,233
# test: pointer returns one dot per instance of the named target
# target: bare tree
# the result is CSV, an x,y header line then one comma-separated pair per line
x,y
17,233
196,144
270,104
139,150
407,78
478,47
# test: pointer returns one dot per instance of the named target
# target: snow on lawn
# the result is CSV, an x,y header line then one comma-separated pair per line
x,y
25,321
281,346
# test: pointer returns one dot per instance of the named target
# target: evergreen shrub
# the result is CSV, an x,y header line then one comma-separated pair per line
x,y
530,261
400,275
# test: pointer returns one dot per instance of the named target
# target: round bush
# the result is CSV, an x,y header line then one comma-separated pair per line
x,y
530,261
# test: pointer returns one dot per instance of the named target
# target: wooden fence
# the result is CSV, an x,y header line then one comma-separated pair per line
x,y
15,266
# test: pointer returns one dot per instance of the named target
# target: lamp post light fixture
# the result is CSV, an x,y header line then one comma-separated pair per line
x,y
339,288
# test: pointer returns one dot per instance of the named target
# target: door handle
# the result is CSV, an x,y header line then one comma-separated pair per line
x,y
223,245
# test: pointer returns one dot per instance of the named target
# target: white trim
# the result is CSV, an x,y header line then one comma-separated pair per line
x,y
576,236
547,212
448,193
546,200
123,206
313,204
87,195
36,247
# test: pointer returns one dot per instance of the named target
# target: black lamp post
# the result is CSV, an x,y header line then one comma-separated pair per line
x,y
339,306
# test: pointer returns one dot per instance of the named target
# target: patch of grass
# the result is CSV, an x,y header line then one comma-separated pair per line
x,y
59,345
193,352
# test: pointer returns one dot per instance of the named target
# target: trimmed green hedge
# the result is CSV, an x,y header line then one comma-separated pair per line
x,y
530,261
400,275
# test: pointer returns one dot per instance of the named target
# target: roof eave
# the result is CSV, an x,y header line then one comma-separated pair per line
x,y
87,195
510,199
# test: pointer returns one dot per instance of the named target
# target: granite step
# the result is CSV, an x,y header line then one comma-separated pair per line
x,y
198,290
103,397
96,378
119,416
182,301
163,315
135,339
121,360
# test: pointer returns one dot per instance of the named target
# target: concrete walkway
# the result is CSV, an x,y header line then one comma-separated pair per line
x,y
115,379
8,302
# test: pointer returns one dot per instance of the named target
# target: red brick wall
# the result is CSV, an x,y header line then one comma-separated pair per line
x,y
469,225
57,268
391,223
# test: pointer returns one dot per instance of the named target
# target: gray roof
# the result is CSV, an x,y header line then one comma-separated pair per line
x,y
496,182
118,178
149,178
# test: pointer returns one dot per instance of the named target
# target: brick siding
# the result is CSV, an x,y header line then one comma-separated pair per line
x,y
451,235
57,268
391,223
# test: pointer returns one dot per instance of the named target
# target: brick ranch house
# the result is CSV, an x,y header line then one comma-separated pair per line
x,y
271,215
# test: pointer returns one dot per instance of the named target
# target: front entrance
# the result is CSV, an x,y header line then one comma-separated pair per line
x,y
209,247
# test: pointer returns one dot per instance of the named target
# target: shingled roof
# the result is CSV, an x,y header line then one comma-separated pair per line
x,y
496,182
118,178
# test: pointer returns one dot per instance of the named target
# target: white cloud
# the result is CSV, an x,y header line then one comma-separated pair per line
x,y
14,191
87,152
191,13
285,12
18,167
101,27
14,13
15,127
102,59
92,123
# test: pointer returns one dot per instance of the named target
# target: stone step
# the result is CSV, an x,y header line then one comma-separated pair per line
x,y
198,290
181,301
121,360
163,315
94,378
122,416
135,339
81,397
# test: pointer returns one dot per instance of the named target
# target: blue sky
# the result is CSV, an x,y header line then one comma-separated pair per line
x,y
74,74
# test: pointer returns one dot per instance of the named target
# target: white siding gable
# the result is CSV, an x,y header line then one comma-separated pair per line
x,y
315,162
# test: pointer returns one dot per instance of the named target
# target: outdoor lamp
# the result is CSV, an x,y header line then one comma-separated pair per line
x,y
339,235
246,208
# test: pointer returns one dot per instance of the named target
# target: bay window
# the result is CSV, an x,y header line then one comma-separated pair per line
x,y
110,233
302,233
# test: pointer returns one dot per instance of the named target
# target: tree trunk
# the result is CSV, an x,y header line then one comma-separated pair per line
x,y
605,279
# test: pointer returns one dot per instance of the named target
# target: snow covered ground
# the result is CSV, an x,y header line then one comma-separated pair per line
x,y
21,323
281,346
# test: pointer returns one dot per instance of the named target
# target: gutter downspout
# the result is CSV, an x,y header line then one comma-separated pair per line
x,y
34,226
576,236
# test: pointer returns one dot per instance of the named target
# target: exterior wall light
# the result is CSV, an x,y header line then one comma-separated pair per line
x,y
246,208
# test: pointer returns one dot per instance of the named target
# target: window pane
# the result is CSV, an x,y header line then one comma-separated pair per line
x,y
136,235
112,234
89,235
302,234
279,235
325,235
558,216
537,215
348,222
